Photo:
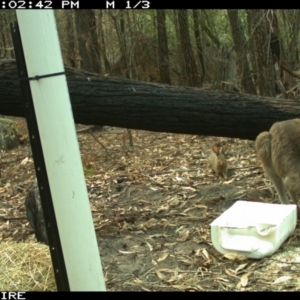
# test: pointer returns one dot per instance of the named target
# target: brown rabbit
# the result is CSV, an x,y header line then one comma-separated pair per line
x,y
217,160
279,152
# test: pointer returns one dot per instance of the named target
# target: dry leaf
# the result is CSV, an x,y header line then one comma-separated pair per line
x,y
195,207
223,279
163,256
230,273
154,263
149,245
153,188
205,254
198,252
184,234
126,252
235,256
24,161
160,275
184,287
282,279
244,280
239,286
178,229
240,267
229,181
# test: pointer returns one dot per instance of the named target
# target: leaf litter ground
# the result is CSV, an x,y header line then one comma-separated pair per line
x,y
152,206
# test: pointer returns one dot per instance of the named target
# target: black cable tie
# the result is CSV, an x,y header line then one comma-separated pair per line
x,y
37,77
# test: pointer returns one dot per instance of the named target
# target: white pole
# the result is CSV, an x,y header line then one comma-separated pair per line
x,y
61,151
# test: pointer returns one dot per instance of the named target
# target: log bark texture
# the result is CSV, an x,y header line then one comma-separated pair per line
x,y
100,100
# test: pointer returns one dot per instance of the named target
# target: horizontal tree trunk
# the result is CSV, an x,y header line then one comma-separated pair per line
x,y
100,100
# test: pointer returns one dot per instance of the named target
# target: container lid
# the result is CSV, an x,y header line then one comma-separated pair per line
x,y
245,213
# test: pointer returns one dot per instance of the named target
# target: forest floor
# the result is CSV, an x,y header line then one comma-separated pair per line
x,y
152,206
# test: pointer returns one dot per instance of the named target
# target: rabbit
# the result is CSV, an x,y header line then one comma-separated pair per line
x,y
217,160
279,152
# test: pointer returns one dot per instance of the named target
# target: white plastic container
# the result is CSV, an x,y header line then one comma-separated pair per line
x,y
253,229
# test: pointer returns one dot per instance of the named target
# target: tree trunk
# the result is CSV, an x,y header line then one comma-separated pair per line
x,y
67,37
264,58
251,48
102,47
199,43
231,74
293,28
241,51
186,48
119,22
6,45
87,40
99,100
182,75
163,54
214,38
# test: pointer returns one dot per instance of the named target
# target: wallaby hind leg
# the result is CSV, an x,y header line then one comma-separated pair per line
x,y
292,185
294,199
263,145
278,184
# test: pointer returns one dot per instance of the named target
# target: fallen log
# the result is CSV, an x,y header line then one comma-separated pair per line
x,y
100,100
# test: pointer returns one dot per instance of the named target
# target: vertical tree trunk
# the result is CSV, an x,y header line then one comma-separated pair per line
x,y
125,67
6,45
276,49
251,49
241,51
163,55
186,48
182,74
119,22
87,39
293,49
199,44
101,39
67,37
264,58
210,31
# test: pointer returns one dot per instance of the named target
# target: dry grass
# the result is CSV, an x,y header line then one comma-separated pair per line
x,y
25,267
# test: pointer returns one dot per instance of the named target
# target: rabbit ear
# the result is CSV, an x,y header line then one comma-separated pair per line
x,y
224,148
215,149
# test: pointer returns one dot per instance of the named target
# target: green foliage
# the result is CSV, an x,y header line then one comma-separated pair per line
x,y
89,171
218,22
6,121
8,134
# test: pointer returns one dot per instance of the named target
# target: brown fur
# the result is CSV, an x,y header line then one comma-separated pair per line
x,y
279,152
217,160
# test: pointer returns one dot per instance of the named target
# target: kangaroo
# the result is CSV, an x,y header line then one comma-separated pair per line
x,y
279,152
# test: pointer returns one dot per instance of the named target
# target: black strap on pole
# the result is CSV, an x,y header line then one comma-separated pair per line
x,y
55,246
38,77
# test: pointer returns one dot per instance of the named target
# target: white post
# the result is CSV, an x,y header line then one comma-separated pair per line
x,y
61,151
